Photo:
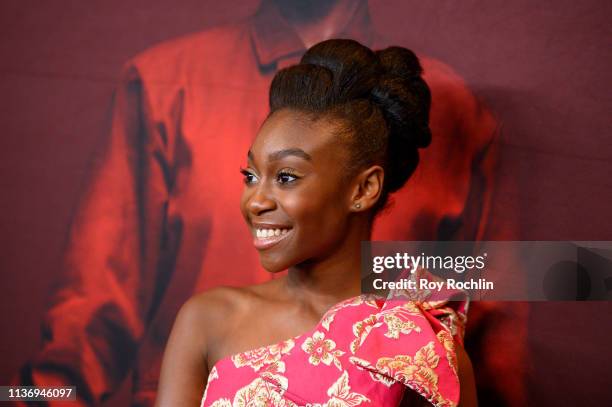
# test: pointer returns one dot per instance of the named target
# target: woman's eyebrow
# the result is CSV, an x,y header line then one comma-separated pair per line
x,y
277,155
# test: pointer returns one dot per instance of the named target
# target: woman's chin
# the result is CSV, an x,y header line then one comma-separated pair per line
x,y
273,267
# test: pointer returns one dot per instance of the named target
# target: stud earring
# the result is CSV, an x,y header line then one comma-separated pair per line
x,y
357,205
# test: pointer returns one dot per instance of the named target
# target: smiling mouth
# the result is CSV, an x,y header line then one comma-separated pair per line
x,y
265,238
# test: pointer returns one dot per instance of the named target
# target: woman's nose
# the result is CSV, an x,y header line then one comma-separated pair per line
x,y
260,201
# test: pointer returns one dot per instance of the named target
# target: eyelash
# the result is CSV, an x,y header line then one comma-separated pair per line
x,y
287,173
246,175
281,173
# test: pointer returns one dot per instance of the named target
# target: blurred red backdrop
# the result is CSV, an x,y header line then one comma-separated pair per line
x,y
543,68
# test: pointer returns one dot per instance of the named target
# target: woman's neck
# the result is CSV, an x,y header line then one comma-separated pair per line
x,y
323,283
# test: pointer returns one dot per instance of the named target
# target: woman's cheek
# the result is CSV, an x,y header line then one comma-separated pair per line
x,y
302,207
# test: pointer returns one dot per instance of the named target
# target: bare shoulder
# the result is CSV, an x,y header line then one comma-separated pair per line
x,y
209,304
211,311
196,332
215,311
224,301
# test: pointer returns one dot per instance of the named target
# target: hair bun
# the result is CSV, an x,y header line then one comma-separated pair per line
x,y
400,62
403,94
355,68
404,99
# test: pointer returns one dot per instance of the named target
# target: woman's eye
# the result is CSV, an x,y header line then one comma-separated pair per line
x,y
285,177
249,177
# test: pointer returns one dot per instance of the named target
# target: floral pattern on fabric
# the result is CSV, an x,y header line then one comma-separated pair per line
x,y
328,318
417,371
267,355
374,374
261,393
365,351
222,403
361,329
446,340
397,325
341,395
323,350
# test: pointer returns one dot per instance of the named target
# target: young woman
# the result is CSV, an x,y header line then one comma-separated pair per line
x,y
343,133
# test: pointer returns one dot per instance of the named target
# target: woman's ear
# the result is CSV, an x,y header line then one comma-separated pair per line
x,y
367,189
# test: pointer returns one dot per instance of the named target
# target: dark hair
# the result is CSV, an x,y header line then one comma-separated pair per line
x,y
380,97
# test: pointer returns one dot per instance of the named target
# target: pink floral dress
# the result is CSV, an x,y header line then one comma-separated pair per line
x,y
365,351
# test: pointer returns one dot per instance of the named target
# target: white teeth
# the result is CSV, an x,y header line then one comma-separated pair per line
x,y
265,233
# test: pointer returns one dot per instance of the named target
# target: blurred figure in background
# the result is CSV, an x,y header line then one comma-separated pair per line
x,y
154,225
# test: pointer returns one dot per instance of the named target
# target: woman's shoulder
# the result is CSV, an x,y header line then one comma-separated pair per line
x,y
212,316
216,304
195,334
219,308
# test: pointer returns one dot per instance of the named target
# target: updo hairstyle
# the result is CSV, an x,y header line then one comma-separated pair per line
x,y
378,100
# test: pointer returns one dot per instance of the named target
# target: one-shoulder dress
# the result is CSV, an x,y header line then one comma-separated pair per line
x,y
365,351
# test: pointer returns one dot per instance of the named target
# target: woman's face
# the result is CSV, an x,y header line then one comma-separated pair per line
x,y
296,196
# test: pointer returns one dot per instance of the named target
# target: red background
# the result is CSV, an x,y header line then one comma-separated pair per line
x,y
544,68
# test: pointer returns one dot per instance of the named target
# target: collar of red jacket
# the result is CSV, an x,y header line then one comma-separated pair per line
x,y
274,38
